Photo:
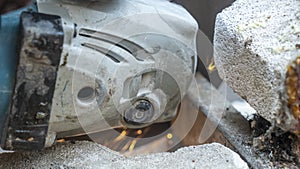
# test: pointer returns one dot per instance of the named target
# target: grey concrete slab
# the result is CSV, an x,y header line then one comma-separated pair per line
x,y
90,155
254,42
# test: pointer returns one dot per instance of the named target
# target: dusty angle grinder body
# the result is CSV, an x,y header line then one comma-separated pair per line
x,y
75,66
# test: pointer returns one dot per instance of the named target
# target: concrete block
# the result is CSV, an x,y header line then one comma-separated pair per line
x,y
254,43
90,155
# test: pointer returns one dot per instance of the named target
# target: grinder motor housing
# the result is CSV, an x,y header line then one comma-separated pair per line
x,y
87,66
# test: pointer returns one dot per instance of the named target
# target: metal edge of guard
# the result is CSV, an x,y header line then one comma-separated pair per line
x,y
39,56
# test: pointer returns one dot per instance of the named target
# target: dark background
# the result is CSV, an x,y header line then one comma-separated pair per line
x,y
205,11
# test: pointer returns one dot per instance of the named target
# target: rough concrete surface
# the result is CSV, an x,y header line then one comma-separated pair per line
x,y
254,42
92,156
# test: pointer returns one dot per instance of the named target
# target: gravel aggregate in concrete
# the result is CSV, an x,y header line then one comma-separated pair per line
x,y
89,155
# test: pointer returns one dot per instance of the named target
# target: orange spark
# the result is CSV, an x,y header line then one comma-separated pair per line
x,y
60,141
211,66
169,136
121,136
126,146
139,132
132,145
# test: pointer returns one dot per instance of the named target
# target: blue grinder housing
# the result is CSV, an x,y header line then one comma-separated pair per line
x,y
9,37
31,46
